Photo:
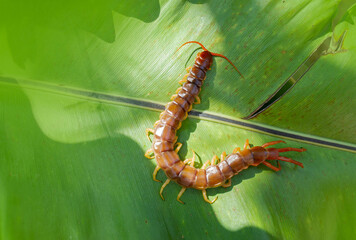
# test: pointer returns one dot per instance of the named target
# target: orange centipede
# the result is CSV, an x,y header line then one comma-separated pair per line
x,y
218,171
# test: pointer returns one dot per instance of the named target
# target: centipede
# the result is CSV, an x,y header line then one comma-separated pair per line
x,y
216,172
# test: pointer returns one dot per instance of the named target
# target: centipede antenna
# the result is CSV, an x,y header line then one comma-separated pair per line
x,y
220,55
214,54
193,42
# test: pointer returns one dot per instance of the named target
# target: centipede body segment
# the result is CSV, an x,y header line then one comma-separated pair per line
x,y
217,172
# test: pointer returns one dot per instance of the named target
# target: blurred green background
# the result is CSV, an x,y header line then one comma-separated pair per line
x,y
80,81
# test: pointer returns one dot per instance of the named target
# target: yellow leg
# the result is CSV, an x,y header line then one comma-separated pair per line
x,y
149,155
247,145
236,150
180,194
206,197
223,156
197,100
206,164
179,125
227,184
179,145
181,82
156,123
213,160
188,69
186,114
178,90
163,186
148,132
191,161
173,97
155,174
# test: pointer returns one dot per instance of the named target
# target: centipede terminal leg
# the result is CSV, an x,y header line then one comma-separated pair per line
x,y
285,159
288,149
272,143
267,164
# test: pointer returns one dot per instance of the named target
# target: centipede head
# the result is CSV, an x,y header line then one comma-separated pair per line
x,y
205,59
207,56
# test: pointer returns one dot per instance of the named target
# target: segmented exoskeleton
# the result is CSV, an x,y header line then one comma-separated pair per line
x,y
214,173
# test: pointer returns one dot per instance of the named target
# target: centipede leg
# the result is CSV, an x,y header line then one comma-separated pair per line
x,y
213,160
179,145
246,144
148,132
227,184
191,161
236,150
163,186
288,149
173,97
272,143
206,197
223,156
197,100
285,159
267,164
155,174
177,91
181,82
156,123
149,153
206,164
180,194
188,69
186,114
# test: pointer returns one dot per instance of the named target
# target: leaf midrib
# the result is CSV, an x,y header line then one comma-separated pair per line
x,y
158,107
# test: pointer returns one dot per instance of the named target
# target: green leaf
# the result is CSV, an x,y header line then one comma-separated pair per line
x,y
81,81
